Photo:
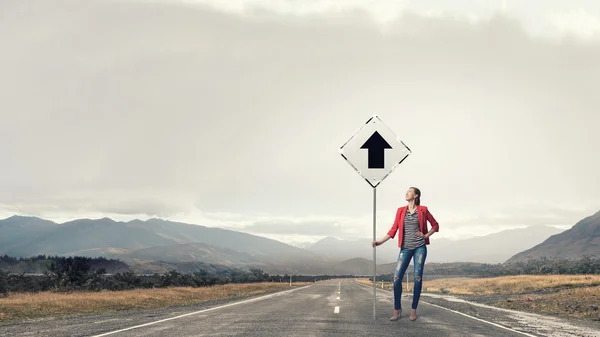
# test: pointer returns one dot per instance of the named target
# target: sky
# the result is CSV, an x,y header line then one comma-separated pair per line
x,y
231,113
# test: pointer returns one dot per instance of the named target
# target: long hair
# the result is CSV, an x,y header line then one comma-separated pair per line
x,y
418,198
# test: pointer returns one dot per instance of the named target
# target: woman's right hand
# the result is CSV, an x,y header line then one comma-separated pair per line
x,y
375,243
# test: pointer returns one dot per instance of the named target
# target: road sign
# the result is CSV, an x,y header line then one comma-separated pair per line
x,y
374,151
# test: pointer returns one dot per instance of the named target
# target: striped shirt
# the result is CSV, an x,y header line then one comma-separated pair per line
x,y
411,226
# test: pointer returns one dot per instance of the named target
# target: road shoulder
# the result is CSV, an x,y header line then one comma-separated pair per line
x,y
532,323
517,320
92,323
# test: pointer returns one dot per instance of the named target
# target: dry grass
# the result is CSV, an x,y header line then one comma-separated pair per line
x,y
521,284
23,306
505,285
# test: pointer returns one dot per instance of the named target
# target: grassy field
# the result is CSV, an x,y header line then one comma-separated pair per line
x,y
510,284
563,295
22,306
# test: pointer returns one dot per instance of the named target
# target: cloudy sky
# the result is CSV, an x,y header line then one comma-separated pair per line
x,y
231,113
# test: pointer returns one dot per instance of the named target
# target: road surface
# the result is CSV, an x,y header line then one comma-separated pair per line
x,y
330,308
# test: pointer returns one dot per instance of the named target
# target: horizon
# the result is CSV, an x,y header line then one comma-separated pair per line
x,y
299,244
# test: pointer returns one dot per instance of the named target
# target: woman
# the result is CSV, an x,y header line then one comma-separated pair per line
x,y
413,238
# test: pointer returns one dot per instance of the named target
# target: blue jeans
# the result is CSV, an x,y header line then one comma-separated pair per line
x,y
418,255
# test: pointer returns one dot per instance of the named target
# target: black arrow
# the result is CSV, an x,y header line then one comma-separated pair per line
x,y
376,146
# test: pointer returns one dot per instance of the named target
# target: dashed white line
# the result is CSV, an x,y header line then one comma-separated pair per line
x,y
336,310
338,298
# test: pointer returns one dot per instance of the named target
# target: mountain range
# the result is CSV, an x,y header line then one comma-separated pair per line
x,y
154,240
156,245
484,249
581,239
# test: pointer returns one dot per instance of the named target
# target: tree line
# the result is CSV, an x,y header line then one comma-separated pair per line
x,y
40,263
64,274
85,273
537,266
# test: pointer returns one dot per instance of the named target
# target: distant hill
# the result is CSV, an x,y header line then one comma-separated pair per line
x,y
189,252
152,240
356,266
281,263
157,245
340,250
482,249
581,239
37,236
83,237
491,248
17,230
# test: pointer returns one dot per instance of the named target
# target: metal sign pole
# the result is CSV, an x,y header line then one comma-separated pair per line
x,y
374,250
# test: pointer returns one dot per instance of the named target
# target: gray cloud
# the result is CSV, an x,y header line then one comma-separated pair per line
x,y
301,228
114,205
548,216
143,108
151,207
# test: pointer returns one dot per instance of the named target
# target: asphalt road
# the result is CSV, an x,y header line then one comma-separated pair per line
x,y
332,308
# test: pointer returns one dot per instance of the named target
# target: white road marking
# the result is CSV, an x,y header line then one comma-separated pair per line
x,y
481,320
337,310
475,318
338,298
201,311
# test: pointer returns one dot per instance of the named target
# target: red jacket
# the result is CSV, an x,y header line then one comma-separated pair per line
x,y
424,216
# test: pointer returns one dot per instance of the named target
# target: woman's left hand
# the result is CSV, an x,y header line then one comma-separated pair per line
x,y
424,236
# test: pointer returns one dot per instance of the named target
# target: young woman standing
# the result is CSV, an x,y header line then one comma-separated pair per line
x,y
413,237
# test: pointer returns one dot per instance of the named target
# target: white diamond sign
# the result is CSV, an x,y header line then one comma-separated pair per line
x,y
374,151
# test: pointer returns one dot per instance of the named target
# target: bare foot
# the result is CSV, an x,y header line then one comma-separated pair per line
x,y
413,315
396,315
